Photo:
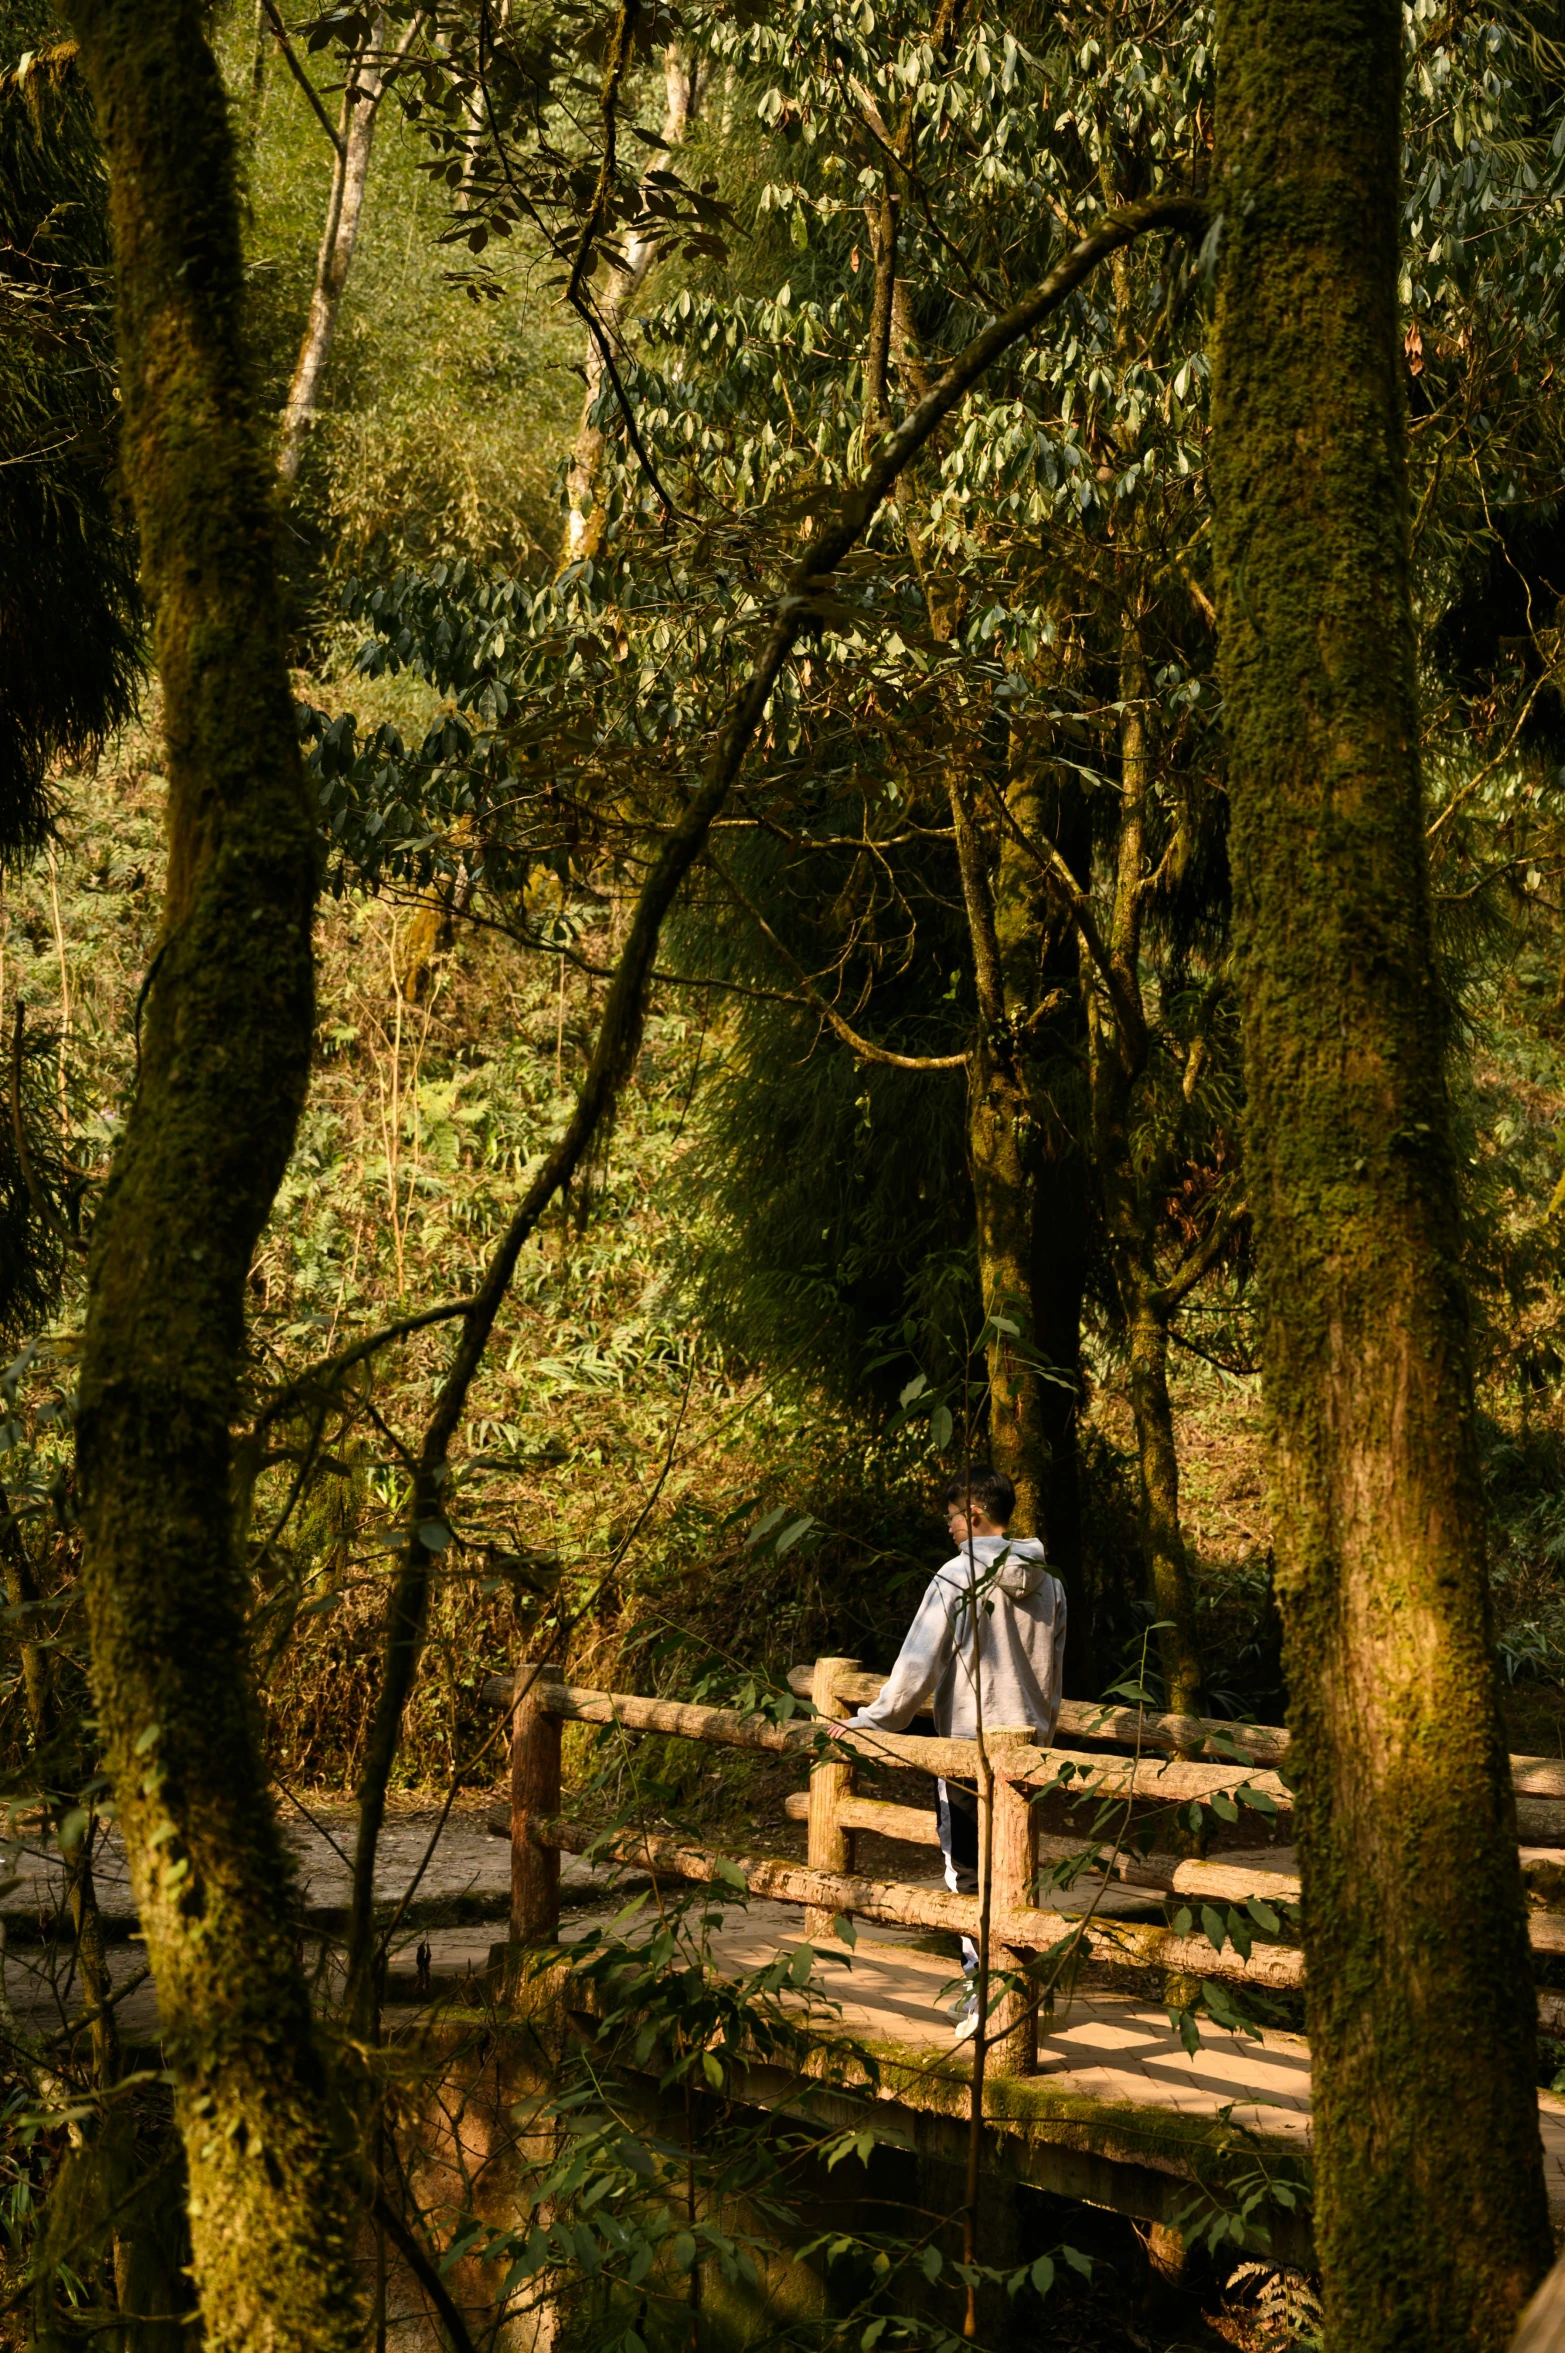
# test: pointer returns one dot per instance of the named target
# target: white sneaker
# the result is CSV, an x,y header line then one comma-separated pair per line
x,y
965,2028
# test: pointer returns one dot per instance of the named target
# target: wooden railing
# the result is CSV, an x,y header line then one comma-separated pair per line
x,y
1174,1759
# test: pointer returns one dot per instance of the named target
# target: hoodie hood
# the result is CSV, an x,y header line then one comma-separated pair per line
x,y
1022,1569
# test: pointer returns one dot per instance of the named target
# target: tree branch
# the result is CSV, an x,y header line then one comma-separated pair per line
x,y
425,2273
303,79
1200,1261
865,1048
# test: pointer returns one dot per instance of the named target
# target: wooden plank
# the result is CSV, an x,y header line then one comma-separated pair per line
x,y
1138,1945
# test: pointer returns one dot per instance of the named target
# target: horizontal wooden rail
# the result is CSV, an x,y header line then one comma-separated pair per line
x,y
1161,1875
1169,1779
1158,1874
1142,1944
1084,1719
1263,1744
1160,1779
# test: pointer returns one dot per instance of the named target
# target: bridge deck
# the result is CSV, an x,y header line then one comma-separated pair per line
x,y
1118,2112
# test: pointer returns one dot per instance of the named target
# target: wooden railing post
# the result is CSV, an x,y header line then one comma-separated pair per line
x,y
535,1794
1013,2020
830,1845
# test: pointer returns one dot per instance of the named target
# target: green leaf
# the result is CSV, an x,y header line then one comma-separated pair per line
x,y
1215,1925
1223,1806
932,2261
434,1535
1078,2261
684,2250
1263,1916
1042,2274
940,1427
843,1930
711,2068
790,1536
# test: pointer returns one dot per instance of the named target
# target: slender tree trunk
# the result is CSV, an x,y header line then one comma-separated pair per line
x,y
361,99
1431,2221
614,299
1117,1061
225,1057
1036,946
1172,1592
1002,1152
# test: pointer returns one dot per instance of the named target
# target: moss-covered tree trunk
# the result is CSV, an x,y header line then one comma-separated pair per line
x,y
1431,2219
225,1054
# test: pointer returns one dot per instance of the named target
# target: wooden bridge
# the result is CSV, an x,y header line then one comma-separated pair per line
x,y
1088,2088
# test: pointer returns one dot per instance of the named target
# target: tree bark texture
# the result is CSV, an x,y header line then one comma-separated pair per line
x,y
225,1057
585,518
1002,1153
1431,2221
1117,1062
350,171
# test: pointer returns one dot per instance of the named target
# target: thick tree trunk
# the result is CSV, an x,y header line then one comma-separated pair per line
x,y
1431,2221
225,1056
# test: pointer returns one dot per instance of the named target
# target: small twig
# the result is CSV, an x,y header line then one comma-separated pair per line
x,y
331,1368
302,78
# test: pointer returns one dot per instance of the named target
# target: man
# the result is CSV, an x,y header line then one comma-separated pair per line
x,y
987,1646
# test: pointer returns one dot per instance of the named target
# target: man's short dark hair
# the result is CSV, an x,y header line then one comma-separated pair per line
x,y
990,1490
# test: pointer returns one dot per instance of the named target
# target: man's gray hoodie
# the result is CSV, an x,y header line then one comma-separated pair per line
x,y
1020,1615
